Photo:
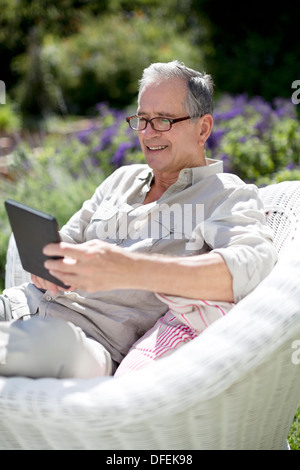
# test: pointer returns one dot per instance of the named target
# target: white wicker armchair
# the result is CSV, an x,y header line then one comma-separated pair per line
x,y
236,386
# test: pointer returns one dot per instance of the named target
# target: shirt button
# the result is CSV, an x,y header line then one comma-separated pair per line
x,y
48,298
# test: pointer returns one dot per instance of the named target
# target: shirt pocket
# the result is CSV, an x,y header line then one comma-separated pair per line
x,y
103,223
105,211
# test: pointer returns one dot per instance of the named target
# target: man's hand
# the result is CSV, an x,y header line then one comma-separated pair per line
x,y
43,284
100,266
91,266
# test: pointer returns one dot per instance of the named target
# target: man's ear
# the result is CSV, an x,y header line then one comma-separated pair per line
x,y
205,127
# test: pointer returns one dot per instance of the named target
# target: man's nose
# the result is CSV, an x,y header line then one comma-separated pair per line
x,y
150,131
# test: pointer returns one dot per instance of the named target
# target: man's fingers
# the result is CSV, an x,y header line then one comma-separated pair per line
x,y
63,265
41,283
64,249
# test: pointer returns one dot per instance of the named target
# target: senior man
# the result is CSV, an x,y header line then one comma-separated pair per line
x,y
175,225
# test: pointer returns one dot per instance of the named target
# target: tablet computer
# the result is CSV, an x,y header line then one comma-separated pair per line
x,y
33,230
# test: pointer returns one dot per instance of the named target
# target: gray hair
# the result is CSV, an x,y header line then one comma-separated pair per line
x,y
200,86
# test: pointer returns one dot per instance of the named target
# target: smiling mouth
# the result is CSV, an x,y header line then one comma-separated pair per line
x,y
159,147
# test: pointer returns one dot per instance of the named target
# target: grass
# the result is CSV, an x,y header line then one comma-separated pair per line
x,y
294,435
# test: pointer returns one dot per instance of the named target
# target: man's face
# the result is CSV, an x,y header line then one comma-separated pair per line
x,y
179,147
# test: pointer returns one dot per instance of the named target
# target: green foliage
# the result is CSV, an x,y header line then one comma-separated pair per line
x,y
91,51
64,56
10,121
257,140
294,434
18,17
255,50
95,65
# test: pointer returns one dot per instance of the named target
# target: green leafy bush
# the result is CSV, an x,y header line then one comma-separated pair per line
x,y
95,65
9,118
257,140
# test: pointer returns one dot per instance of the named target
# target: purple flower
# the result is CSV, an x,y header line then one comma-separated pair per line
x,y
98,148
229,108
226,115
85,134
291,166
263,124
284,108
118,115
136,142
214,139
103,108
260,105
107,137
119,156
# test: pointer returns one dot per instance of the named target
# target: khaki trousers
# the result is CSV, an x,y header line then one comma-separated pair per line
x,y
47,347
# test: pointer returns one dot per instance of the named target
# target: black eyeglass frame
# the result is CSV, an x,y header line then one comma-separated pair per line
x,y
171,121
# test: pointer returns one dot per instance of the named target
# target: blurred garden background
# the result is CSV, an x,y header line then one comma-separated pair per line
x,y
71,70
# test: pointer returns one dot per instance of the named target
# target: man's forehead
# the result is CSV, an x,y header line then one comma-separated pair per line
x,y
164,86
166,98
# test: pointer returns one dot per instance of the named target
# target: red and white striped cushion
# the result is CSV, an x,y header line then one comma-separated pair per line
x,y
185,320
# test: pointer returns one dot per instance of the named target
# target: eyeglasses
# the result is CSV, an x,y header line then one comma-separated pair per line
x,y
160,124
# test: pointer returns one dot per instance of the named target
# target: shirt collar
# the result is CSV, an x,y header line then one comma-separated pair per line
x,y
147,175
212,168
196,174
189,175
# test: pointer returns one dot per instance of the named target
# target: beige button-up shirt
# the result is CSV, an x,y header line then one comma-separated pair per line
x,y
205,210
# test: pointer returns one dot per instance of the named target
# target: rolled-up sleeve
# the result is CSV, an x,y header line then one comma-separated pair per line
x,y
238,231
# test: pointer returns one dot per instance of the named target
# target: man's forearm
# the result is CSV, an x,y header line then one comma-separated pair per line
x,y
97,265
199,277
